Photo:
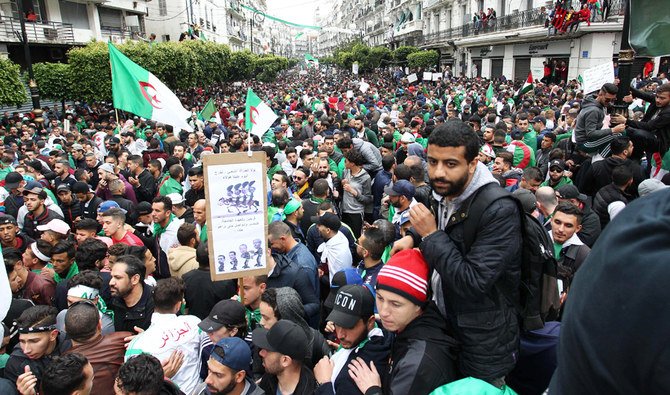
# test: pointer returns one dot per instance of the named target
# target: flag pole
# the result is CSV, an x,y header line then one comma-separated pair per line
x,y
116,111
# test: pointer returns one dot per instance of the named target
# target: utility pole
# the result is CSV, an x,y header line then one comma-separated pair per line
x,y
626,58
32,84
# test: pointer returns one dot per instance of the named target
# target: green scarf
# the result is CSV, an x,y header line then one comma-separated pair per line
x,y
159,230
74,269
253,317
203,234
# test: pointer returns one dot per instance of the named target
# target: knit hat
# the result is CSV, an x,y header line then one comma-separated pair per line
x,y
406,274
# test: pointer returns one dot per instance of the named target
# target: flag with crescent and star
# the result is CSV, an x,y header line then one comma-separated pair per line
x,y
136,90
258,116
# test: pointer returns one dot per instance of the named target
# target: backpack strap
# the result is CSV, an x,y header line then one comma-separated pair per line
x,y
482,199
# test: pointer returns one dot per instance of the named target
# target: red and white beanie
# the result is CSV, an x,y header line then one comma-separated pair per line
x,y
406,274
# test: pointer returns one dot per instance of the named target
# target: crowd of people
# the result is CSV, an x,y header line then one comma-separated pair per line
x,y
387,273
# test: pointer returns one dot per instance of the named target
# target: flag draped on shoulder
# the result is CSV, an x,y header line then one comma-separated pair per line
x,y
136,90
527,86
258,116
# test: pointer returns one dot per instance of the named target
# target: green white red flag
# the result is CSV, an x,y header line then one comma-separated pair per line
x,y
258,116
136,90
527,86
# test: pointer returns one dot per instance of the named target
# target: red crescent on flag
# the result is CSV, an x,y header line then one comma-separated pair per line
x,y
152,99
252,110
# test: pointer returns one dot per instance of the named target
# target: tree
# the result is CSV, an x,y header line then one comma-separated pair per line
x,y
54,80
400,54
422,59
242,65
12,90
380,56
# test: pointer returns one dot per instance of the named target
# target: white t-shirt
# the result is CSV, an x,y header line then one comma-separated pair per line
x,y
167,333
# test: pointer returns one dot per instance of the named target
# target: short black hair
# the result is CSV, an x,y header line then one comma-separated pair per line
x,y
89,252
533,173
186,233
402,172
64,246
167,202
81,321
202,255
269,296
89,278
167,293
134,265
87,224
40,315
354,156
456,133
610,88
195,171
621,175
64,374
570,209
387,162
417,172
142,374
345,142
619,144
374,242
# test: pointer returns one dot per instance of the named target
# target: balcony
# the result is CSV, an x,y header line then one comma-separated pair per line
x,y
519,20
45,32
121,33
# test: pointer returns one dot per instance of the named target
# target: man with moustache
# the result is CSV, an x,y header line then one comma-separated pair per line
x,y
132,300
466,279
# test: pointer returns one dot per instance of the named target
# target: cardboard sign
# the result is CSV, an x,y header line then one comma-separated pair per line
x,y
364,86
437,76
350,94
595,77
235,190
412,78
354,68
427,76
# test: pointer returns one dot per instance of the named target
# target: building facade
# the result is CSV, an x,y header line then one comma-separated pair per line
x,y
511,45
54,26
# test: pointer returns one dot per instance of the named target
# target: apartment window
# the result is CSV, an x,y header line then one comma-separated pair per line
x,y
166,37
162,7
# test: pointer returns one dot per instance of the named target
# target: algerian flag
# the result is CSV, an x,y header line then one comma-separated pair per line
x,y
580,79
660,165
258,116
649,28
489,94
207,111
136,90
527,86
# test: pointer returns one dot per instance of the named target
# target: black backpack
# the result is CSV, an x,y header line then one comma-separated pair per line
x,y
538,289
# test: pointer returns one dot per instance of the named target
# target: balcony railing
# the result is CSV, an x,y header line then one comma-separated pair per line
x,y
123,33
37,32
517,20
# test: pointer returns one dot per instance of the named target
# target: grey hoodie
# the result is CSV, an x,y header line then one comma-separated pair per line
x,y
590,121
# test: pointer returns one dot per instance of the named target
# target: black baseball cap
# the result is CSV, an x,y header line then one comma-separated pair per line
x,y
144,208
329,220
344,277
285,337
558,163
13,180
352,303
81,187
7,219
226,312
63,187
570,191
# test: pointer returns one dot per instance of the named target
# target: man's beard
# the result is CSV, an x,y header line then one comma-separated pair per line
x,y
224,391
453,188
323,174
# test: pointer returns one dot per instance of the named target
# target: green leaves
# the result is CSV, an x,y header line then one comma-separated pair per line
x,y
12,91
422,59
53,79
180,65
400,54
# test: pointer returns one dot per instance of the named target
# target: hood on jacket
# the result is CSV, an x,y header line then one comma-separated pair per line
x,y
481,177
290,307
416,149
429,326
180,256
590,101
281,262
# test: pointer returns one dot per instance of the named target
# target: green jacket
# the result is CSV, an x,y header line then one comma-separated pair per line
x,y
563,181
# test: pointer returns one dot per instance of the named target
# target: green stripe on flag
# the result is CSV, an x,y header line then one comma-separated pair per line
x,y
126,79
207,111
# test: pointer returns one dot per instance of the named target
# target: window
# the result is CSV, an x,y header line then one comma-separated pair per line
x,y
162,7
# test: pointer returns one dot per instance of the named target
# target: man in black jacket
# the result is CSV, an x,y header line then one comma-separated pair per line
x,y
353,317
466,283
423,353
652,133
141,179
569,250
599,174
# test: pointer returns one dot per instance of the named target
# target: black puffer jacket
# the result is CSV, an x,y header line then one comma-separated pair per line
x,y
422,358
605,196
482,319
